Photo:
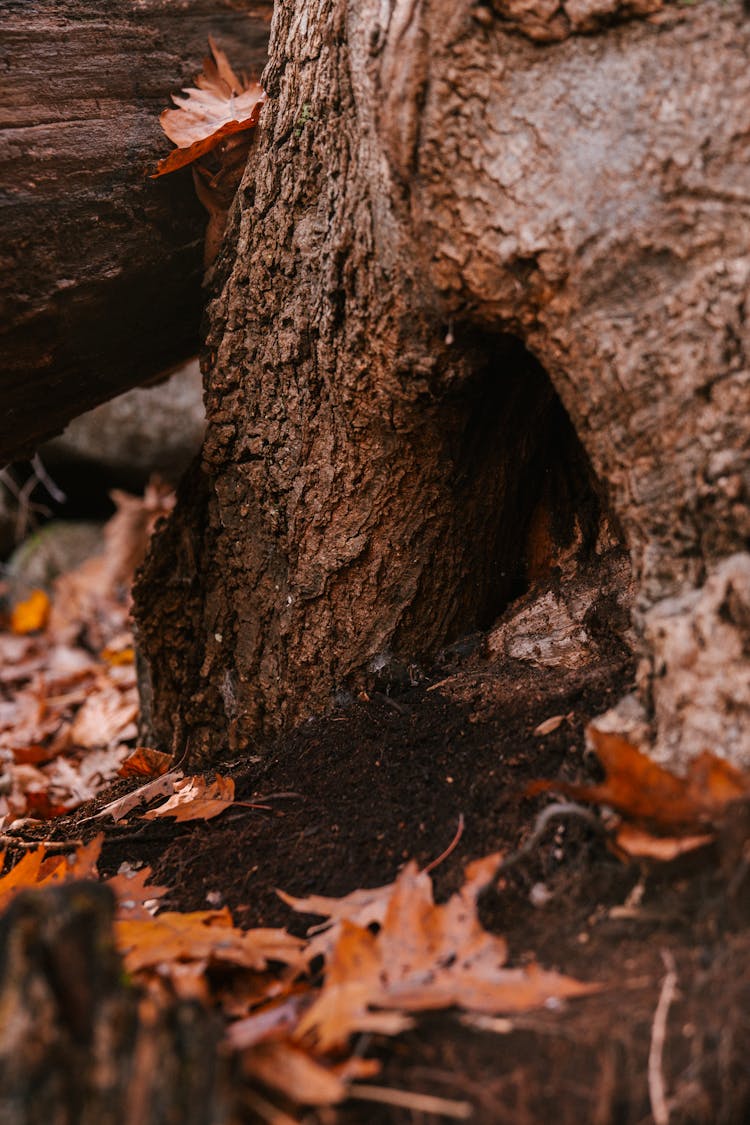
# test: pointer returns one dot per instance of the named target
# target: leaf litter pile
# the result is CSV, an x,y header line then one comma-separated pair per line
x,y
307,1007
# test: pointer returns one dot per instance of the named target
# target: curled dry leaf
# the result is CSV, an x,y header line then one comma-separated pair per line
x,y
121,806
144,762
218,106
651,796
550,725
634,843
194,798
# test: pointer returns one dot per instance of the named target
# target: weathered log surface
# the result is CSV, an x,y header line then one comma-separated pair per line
x,y
100,266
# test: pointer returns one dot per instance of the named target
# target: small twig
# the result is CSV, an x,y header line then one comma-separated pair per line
x,y
656,1084
442,683
44,478
551,812
266,1110
451,847
48,845
279,796
419,1103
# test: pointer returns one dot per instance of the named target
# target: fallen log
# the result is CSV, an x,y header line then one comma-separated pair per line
x,y
100,266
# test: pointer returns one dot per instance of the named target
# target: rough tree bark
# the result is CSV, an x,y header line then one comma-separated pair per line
x,y
100,285
479,248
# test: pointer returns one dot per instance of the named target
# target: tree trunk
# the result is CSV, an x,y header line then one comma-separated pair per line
x,y
100,285
486,274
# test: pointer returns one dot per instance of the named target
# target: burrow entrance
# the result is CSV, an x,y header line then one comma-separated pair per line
x,y
525,496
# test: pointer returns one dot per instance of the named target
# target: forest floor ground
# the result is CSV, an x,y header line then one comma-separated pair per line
x,y
353,796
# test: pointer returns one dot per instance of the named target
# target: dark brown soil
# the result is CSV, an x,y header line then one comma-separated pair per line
x,y
351,797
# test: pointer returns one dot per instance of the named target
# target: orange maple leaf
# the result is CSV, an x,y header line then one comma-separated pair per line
x,y
424,956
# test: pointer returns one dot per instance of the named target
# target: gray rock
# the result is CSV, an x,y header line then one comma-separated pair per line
x,y
155,429
57,548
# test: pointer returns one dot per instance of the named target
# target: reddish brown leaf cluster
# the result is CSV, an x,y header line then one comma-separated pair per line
x,y
68,698
213,130
386,953
663,815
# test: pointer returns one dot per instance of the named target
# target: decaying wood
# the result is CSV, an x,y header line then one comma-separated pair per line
x,y
484,285
78,1044
100,266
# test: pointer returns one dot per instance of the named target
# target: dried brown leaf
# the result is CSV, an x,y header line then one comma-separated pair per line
x,y
549,725
424,956
105,717
289,1069
650,795
218,106
635,843
38,869
159,787
136,897
203,935
145,762
195,798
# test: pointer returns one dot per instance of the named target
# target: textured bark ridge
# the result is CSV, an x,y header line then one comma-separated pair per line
x,y
100,285
474,287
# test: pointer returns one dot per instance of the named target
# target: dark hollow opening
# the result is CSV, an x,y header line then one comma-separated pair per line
x,y
524,491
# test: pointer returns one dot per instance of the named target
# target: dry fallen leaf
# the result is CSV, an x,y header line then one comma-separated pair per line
x,y
73,780
286,1067
650,795
424,956
194,798
39,869
549,725
116,656
144,762
363,907
95,597
31,615
105,717
219,105
121,806
203,935
136,897
634,843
